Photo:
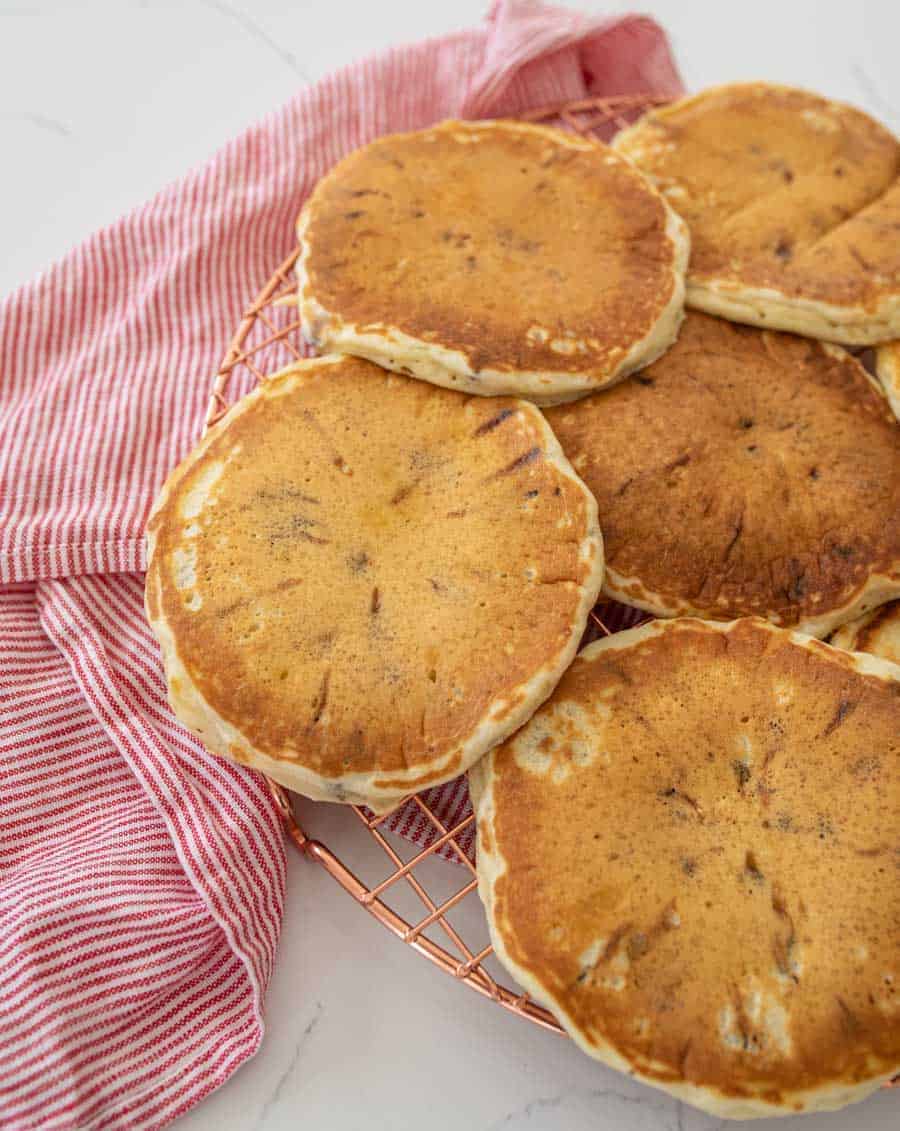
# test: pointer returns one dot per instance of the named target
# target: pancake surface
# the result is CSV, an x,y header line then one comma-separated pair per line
x,y
361,583
793,203
689,853
492,257
877,632
887,367
746,472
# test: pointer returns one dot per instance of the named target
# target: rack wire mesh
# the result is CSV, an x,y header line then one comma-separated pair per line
x,y
415,891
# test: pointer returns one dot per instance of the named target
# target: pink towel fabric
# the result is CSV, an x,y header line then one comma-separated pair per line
x,y
141,879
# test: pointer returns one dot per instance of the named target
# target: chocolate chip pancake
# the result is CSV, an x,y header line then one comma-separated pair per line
x,y
877,632
689,854
360,583
745,472
492,257
793,203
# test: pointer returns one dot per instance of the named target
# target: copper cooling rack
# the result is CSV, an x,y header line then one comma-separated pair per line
x,y
431,905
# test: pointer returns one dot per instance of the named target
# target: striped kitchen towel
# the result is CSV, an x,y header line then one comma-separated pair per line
x,y
141,879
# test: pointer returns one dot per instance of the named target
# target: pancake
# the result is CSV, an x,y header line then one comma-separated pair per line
x,y
360,583
793,203
887,367
492,257
744,473
877,632
689,855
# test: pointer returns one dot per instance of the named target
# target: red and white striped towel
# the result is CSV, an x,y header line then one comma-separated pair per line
x,y
141,879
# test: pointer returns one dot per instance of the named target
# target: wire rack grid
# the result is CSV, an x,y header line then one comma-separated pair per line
x,y
268,338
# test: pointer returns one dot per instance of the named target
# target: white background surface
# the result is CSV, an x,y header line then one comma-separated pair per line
x,y
101,103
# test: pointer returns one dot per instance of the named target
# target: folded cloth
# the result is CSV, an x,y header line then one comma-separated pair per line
x,y
141,879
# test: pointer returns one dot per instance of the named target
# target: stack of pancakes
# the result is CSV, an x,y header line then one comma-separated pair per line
x,y
374,573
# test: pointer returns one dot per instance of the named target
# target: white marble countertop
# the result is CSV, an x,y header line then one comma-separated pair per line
x,y
104,102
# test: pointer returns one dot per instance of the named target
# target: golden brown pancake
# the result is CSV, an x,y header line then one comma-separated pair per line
x,y
745,472
793,203
361,583
887,368
877,632
492,257
690,855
